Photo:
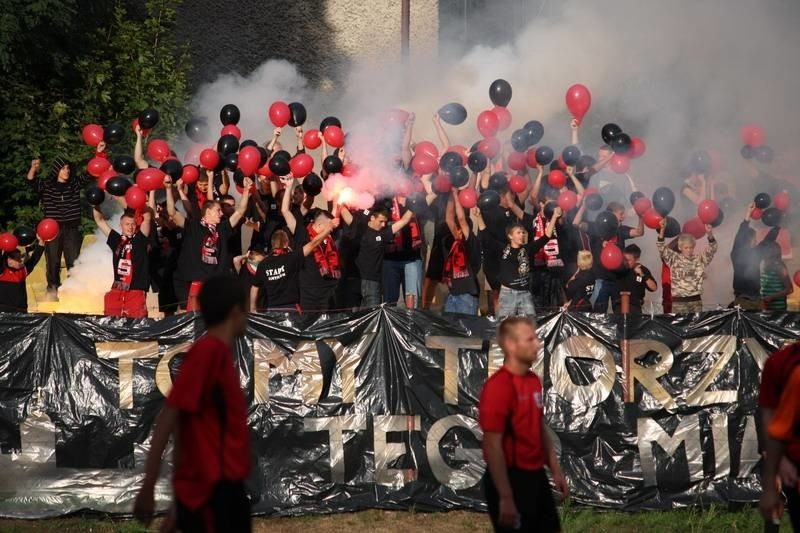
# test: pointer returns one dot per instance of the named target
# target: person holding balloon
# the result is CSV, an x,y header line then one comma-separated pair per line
x,y
130,258
60,197
746,258
776,284
636,280
687,269
14,270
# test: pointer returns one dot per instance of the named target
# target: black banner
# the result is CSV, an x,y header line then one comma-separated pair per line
x,y
378,408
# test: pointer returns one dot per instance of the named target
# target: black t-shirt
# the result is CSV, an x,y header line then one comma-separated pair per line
x,y
631,282
516,264
204,252
247,274
371,249
469,284
278,277
130,261
310,277
406,250
623,233
579,290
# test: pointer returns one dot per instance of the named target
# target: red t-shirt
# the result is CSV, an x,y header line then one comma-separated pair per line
x,y
514,402
208,364
777,369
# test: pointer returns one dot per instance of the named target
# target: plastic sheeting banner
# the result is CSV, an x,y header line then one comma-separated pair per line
x,y
378,408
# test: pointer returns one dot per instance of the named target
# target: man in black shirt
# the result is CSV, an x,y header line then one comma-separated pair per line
x,y
746,258
14,270
636,279
128,294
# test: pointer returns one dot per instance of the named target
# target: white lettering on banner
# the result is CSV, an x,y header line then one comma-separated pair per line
x,y
387,453
455,478
334,425
687,433
582,396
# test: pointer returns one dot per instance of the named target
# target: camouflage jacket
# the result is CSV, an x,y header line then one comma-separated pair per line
x,y
687,273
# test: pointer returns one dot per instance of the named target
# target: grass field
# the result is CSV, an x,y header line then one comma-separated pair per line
x,y
711,519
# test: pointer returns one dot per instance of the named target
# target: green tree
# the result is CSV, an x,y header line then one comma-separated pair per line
x,y
67,63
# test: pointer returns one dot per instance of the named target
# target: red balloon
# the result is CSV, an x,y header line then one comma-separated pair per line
x,y
590,191
642,206
530,157
694,227
350,169
441,184
280,114
158,150
560,163
468,198
567,200
135,197
517,161
489,147
424,164
209,158
47,229
426,148
97,165
135,124
192,155
782,200
150,179
637,148
753,135
611,256
231,129
796,278
652,219
503,117
460,150
311,139
249,159
397,116
707,211
488,123
578,99
334,136
517,184
757,212
189,174
8,242
557,179
104,177
300,165
620,164
92,134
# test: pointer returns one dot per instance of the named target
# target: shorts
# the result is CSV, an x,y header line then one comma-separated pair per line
x,y
227,510
313,299
131,304
532,497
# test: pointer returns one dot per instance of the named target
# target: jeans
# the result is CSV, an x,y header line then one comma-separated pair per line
x,y
465,304
604,291
405,273
68,243
371,293
513,303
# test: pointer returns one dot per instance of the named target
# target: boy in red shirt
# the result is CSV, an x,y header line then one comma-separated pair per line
x,y
208,410
516,444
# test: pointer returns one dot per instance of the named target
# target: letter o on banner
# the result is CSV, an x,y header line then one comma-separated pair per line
x,y
456,478
582,397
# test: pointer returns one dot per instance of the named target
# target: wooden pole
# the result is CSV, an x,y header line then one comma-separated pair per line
x,y
627,385
405,25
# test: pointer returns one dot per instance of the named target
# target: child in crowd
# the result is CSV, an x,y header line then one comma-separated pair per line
x,y
776,284
581,285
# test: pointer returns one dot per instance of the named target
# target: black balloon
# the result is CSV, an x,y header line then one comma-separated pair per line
x,y
220,164
449,160
747,152
610,131
280,166
498,181
673,228
585,161
663,200
771,216
148,118
264,156
477,161
519,140
762,200
124,164
594,202
113,134
329,121
232,161
298,117
500,92
548,210
247,142
635,195
621,143
227,144
571,155
459,176
534,130
229,114
718,220
607,224
453,113
700,162
474,146
25,235
488,199
312,184
282,154
118,185
764,154
331,164
238,178
416,202
173,168
95,195
544,155
196,129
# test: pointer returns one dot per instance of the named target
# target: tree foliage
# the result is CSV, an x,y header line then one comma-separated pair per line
x,y
67,63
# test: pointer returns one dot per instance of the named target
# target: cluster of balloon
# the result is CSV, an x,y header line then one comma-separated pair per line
x,y
453,113
753,138
624,146
25,235
8,242
47,229
579,100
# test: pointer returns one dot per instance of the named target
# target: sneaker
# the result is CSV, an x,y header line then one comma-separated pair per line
x,y
51,295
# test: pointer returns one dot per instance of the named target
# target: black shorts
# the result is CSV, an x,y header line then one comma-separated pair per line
x,y
316,299
533,498
228,510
